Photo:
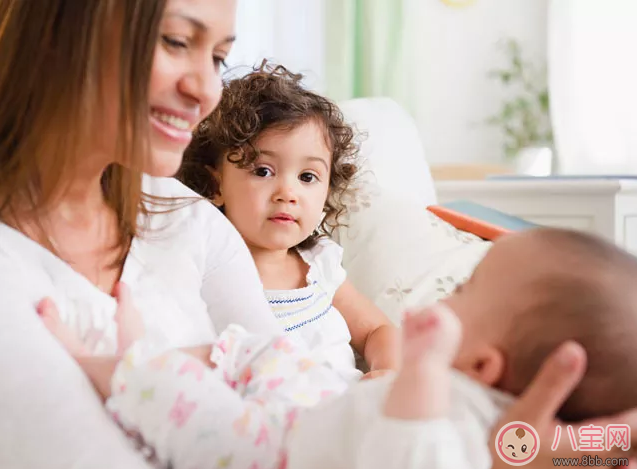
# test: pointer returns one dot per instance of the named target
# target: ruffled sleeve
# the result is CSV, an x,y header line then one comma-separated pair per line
x,y
325,261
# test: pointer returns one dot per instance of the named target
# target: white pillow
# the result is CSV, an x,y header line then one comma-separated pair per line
x,y
391,148
399,254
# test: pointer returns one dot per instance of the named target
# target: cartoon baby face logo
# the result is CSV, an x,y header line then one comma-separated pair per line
x,y
517,443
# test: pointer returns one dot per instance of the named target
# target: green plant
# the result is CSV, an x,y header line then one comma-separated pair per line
x,y
524,117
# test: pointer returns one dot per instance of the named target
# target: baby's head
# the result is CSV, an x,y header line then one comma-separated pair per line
x,y
536,289
275,157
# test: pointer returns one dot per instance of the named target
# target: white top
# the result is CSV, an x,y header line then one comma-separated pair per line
x,y
307,313
191,276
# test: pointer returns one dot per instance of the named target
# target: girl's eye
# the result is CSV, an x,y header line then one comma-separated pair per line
x,y
524,448
262,172
308,177
173,42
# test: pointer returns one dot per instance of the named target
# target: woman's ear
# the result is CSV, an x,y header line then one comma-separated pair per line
x,y
484,364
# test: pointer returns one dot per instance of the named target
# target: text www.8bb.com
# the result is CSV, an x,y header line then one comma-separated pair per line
x,y
590,461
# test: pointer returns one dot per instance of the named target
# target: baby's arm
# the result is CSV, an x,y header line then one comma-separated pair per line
x,y
192,418
373,334
414,430
176,404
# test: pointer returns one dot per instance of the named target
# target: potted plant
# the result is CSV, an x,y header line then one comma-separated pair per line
x,y
524,116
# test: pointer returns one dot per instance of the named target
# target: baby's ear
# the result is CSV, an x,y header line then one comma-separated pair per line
x,y
485,365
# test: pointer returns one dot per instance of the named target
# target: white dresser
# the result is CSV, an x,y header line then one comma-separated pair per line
x,y
607,207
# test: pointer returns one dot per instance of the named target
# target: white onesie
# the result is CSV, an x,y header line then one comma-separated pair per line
x,y
269,404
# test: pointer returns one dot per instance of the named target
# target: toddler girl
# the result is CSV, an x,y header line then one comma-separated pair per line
x,y
276,159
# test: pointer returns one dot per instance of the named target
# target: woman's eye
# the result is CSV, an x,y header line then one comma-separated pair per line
x,y
308,177
262,172
524,448
173,42
219,62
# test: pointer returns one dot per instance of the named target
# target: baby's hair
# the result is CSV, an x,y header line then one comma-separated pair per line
x,y
520,433
588,296
270,97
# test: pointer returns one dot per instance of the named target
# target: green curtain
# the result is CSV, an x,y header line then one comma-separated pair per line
x,y
365,49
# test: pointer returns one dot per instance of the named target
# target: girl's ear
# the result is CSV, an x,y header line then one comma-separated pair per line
x,y
217,198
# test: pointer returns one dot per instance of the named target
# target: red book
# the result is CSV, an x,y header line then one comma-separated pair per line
x,y
470,223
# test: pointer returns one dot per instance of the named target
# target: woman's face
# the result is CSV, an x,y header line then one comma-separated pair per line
x,y
195,37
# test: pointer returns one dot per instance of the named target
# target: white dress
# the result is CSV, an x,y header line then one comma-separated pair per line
x,y
308,315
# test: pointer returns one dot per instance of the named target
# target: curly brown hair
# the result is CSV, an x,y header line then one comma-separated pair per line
x,y
270,97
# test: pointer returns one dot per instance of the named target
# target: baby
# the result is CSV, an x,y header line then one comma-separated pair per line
x,y
255,401
533,291
276,158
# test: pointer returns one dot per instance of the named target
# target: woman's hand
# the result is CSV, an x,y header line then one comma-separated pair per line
x,y
539,404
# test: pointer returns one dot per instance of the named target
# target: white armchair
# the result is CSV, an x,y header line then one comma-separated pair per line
x,y
393,148
396,252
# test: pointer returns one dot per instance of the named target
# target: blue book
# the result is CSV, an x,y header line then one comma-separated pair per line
x,y
482,221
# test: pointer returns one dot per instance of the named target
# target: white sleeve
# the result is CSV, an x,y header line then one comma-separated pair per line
x,y
326,264
51,417
231,286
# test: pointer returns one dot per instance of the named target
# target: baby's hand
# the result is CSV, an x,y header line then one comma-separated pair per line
x,y
422,386
431,335
69,339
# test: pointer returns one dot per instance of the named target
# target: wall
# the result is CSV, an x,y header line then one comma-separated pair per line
x,y
289,32
455,46
458,50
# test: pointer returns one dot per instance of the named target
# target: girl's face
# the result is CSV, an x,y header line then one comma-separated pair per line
x,y
195,37
279,202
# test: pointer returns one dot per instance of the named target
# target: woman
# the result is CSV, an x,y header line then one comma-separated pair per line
x,y
94,93
82,86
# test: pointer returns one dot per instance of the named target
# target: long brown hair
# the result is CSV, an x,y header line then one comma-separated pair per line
x,y
53,74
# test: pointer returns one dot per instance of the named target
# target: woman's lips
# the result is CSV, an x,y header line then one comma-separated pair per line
x,y
172,124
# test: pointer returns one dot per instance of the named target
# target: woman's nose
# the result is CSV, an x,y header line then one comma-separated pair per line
x,y
203,85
